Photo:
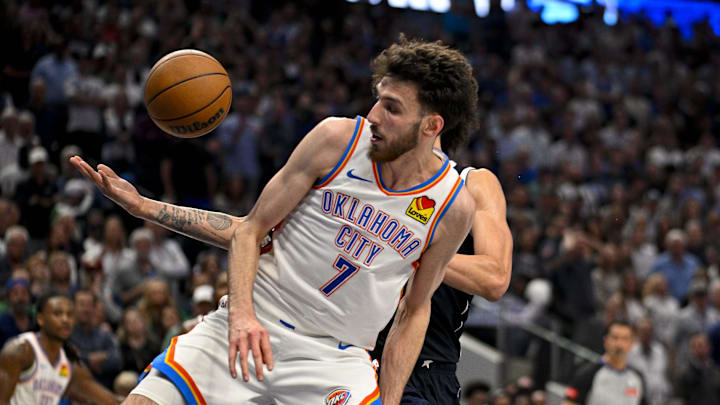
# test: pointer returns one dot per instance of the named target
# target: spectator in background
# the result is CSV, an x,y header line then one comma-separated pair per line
x,y
693,319
125,287
86,101
10,139
155,298
698,382
606,276
37,195
166,254
39,274
16,240
61,272
55,68
171,325
16,319
477,393
203,300
9,216
220,287
662,307
676,264
114,256
124,383
136,347
572,282
538,397
651,359
714,302
96,347
239,137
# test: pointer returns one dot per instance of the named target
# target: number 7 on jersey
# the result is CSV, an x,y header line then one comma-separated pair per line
x,y
346,269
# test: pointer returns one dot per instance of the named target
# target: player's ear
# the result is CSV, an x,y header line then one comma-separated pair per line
x,y
40,319
433,124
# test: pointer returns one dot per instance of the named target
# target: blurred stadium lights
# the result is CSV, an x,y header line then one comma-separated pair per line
x,y
684,13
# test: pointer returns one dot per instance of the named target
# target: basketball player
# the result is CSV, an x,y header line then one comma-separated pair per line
x,y
481,267
361,201
35,368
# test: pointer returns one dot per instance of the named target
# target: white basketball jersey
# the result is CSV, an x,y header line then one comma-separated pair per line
x,y
341,258
44,383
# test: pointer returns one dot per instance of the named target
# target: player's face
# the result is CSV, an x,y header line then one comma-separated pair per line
x,y
394,120
619,340
57,318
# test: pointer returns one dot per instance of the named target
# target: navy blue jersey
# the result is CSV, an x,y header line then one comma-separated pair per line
x,y
450,309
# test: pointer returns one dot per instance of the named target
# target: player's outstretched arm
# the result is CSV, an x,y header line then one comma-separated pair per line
x,y
206,226
487,272
83,385
16,356
407,333
312,159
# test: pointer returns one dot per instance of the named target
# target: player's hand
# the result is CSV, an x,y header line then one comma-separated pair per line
x,y
113,186
245,333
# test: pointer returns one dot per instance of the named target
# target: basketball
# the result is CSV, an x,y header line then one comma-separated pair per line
x,y
187,93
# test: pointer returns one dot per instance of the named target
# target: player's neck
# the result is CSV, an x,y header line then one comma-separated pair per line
x,y
410,169
52,346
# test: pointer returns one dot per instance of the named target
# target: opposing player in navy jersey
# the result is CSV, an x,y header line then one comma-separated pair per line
x,y
361,202
35,368
481,267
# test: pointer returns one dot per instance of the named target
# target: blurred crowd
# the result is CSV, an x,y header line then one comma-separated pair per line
x,y
605,140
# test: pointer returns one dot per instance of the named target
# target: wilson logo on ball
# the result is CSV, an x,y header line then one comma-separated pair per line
x,y
197,126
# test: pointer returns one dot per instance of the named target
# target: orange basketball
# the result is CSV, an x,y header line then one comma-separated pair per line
x,y
188,93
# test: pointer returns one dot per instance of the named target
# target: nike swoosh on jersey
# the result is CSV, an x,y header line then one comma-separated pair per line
x,y
352,176
342,346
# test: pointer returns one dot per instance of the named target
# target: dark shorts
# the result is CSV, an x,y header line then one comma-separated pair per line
x,y
436,385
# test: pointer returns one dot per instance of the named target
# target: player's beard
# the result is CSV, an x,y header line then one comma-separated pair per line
x,y
395,149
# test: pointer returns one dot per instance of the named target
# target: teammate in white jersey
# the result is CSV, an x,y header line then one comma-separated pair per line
x,y
35,368
344,252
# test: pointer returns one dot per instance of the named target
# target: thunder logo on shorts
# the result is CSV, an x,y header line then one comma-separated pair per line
x,y
421,209
340,396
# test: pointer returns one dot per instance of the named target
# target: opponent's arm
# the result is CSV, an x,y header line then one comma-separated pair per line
x,y
313,158
407,333
85,387
487,272
16,356
206,226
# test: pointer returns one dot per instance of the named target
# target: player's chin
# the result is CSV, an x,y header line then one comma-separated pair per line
x,y
64,333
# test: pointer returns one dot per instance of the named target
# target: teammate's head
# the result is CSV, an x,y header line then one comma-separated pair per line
x,y
55,314
619,338
423,88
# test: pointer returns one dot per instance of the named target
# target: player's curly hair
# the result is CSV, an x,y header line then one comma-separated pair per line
x,y
445,83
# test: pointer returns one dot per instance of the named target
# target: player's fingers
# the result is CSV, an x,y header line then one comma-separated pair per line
x,y
88,171
244,356
105,181
107,170
232,356
266,350
257,355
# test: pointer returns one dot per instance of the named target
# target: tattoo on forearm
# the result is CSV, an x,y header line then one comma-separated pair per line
x,y
220,222
179,218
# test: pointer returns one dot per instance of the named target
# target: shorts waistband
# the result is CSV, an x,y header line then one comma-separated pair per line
x,y
435,365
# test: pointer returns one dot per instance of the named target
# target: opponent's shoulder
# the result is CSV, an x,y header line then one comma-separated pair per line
x,y
17,352
485,189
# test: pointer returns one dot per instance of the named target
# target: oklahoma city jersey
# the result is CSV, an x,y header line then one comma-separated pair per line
x,y
340,260
44,383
